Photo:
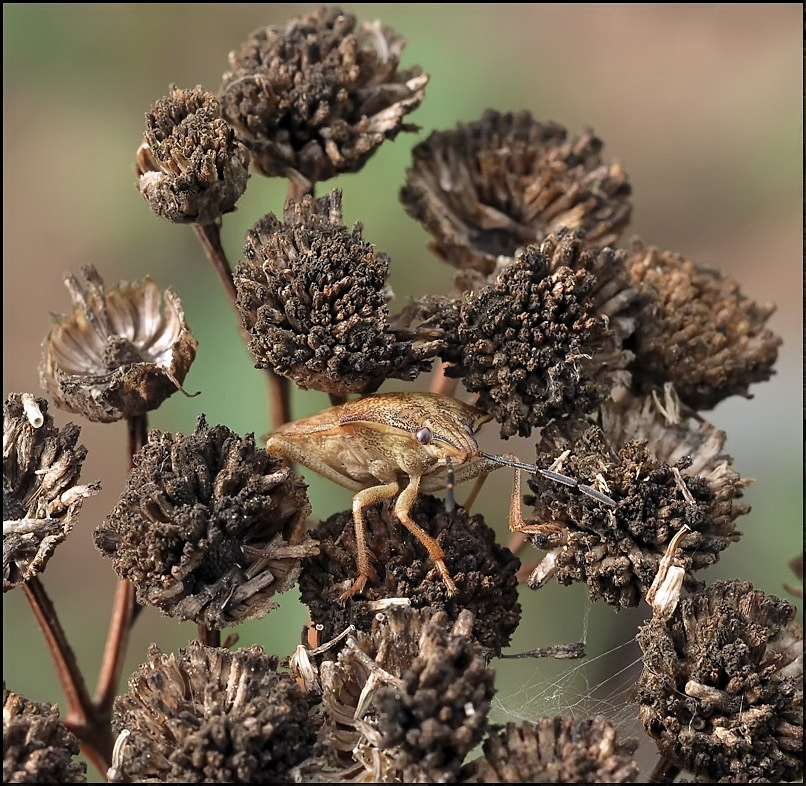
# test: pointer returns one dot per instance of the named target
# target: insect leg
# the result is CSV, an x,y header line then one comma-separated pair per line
x,y
435,552
364,498
450,482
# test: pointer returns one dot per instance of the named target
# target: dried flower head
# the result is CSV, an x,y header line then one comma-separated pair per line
x,y
209,715
663,476
484,572
37,747
120,353
557,750
313,296
314,98
209,527
722,686
697,330
506,181
191,168
406,702
543,340
41,494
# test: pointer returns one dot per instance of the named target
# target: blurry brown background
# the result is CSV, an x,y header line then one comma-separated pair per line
x,y
701,103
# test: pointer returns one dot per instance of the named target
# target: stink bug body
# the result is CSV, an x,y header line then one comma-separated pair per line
x,y
397,445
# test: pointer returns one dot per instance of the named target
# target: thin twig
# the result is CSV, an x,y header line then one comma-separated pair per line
x,y
210,637
442,384
209,236
81,718
665,771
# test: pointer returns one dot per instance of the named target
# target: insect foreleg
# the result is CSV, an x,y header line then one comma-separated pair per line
x,y
363,499
435,552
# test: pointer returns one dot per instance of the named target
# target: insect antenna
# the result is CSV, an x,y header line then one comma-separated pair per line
x,y
555,476
450,482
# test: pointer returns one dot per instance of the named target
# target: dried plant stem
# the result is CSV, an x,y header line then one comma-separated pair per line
x,y
209,236
82,717
442,384
210,637
665,771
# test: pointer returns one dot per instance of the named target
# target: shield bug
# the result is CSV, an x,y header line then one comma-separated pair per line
x,y
397,445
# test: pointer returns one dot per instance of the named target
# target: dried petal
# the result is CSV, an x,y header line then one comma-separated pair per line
x,y
506,181
407,702
41,494
209,527
722,686
210,715
312,98
557,750
662,475
697,330
191,168
483,571
313,297
37,747
543,339
119,353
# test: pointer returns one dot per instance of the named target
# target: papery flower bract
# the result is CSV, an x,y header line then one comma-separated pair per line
x,y
120,353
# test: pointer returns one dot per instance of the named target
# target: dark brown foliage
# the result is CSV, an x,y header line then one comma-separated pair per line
x,y
314,97
313,297
507,181
191,168
722,686
37,747
209,527
484,572
210,715
557,750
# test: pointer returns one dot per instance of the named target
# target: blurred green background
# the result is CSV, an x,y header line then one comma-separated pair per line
x,y
701,103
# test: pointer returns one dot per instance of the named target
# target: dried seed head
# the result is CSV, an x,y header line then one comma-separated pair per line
x,y
697,330
120,352
209,527
484,572
406,702
41,494
722,687
37,747
663,476
313,297
557,750
314,98
506,181
191,168
210,715
537,343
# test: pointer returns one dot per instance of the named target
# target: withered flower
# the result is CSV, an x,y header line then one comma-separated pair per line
x,y
722,687
314,97
191,168
209,715
697,330
508,180
37,747
120,352
557,750
543,340
406,702
663,476
313,297
209,527
41,493
484,572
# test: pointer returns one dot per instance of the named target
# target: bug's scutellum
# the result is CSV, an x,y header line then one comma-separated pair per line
x,y
398,445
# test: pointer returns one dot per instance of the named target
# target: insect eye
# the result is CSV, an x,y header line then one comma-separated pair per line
x,y
424,436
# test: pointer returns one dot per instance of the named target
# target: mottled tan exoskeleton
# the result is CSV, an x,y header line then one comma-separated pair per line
x,y
397,445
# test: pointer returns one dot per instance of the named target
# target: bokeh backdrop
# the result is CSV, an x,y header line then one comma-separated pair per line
x,y
701,103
